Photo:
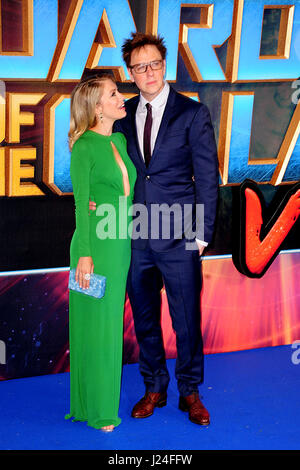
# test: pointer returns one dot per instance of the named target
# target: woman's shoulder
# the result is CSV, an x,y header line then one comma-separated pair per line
x,y
82,148
87,140
82,140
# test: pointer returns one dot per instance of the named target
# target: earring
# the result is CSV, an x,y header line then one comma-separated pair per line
x,y
101,117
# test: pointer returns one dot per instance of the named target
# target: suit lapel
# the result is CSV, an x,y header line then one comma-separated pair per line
x,y
133,130
168,112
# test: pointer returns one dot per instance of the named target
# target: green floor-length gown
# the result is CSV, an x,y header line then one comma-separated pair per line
x,y
96,325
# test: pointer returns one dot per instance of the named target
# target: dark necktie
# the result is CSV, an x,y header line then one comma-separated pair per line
x,y
147,134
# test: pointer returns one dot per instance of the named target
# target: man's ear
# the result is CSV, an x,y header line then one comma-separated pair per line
x,y
130,74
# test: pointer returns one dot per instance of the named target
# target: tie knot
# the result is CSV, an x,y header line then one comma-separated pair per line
x,y
149,107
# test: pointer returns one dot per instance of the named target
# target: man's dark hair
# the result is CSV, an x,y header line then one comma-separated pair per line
x,y
139,40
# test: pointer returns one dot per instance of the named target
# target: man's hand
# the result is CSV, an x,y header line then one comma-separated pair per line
x,y
200,247
92,206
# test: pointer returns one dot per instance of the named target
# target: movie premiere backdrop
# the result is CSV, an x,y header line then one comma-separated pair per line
x,y
239,57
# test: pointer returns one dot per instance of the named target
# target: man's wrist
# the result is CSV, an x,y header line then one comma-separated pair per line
x,y
201,242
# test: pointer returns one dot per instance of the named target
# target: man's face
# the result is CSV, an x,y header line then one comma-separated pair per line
x,y
151,82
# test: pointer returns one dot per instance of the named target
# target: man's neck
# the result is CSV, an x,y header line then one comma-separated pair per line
x,y
150,98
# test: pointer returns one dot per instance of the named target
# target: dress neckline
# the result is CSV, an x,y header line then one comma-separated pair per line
x,y
101,135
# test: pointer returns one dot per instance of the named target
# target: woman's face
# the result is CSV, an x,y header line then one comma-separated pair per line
x,y
111,103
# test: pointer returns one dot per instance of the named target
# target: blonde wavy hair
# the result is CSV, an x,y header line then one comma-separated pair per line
x,y
84,98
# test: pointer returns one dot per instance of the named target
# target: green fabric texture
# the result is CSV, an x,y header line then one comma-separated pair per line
x,y
96,325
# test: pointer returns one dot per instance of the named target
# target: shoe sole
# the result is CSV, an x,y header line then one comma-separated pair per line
x,y
197,422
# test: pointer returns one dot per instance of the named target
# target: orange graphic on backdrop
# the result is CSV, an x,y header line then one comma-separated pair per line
x,y
259,253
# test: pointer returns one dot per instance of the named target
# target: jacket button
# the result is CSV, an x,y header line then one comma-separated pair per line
x,y
147,177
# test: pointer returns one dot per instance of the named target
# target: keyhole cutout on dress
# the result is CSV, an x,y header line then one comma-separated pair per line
x,y
123,169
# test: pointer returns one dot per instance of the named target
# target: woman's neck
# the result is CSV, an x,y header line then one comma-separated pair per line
x,y
103,128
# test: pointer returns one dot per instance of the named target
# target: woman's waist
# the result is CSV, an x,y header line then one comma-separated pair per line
x,y
116,202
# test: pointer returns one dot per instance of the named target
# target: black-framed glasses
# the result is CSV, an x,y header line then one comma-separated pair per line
x,y
142,68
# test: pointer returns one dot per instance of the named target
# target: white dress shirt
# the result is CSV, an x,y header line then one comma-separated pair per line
x,y
158,106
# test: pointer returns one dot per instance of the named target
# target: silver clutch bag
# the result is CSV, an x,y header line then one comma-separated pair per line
x,y
97,285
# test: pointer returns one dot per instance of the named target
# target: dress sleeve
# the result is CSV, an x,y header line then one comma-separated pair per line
x,y
80,176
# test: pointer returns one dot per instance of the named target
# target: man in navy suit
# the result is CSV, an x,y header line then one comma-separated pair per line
x,y
172,144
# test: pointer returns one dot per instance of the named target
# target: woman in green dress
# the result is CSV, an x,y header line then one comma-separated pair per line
x,y
101,170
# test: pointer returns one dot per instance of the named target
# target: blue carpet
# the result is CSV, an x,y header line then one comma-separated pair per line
x,y
252,396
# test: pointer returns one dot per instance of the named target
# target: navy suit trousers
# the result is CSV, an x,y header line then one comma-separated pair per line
x,y
180,272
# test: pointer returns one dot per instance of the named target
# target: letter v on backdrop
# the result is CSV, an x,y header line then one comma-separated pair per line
x,y
259,240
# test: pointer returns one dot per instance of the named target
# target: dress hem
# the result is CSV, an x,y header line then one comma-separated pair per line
x,y
105,422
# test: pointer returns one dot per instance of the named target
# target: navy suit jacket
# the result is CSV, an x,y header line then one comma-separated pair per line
x,y
183,170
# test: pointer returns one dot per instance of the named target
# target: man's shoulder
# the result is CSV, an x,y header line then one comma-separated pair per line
x,y
188,109
132,103
185,101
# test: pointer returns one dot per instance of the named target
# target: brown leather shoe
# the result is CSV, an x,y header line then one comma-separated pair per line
x,y
146,405
197,412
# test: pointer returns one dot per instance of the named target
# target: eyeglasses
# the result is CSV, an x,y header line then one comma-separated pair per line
x,y
142,68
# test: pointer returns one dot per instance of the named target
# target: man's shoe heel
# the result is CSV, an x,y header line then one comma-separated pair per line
x,y
161,403
182,406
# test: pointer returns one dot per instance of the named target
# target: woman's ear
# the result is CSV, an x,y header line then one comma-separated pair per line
x,y
98,112
98,109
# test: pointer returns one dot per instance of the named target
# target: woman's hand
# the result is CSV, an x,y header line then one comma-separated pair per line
x,y
85,266
92,205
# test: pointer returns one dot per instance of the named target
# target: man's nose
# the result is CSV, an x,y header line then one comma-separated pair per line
x,y
149,70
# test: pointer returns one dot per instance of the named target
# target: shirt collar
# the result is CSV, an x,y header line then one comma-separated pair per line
x,y
158,101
